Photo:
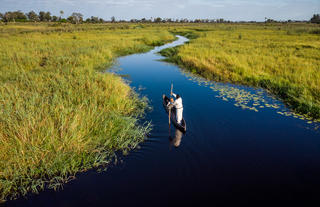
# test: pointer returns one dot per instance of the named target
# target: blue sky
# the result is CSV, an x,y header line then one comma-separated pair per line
x,y
235,10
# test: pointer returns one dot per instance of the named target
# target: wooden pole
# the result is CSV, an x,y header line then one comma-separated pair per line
x,y
169,116
170,106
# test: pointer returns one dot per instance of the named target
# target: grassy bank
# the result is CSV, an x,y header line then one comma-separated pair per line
x,y
283,59
58,114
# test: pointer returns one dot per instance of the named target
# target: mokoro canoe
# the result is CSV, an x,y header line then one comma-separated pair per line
x,y
182,127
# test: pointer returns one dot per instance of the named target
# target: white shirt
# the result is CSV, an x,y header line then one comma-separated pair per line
x,y
178,102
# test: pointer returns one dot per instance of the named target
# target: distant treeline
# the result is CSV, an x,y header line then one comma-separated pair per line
x,y
76,18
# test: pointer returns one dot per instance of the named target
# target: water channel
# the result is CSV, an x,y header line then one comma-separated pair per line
x,y
242,147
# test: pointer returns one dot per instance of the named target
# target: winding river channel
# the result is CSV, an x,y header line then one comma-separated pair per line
x,y
242,147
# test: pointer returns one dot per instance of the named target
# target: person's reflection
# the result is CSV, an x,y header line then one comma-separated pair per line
x,y
176,140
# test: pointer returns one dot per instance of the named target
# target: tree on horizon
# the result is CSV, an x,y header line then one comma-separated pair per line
x,y
32,16
61,14
315,19
77,17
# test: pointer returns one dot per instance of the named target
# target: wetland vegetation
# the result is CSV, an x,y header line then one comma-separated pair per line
x,y
60,115
282,58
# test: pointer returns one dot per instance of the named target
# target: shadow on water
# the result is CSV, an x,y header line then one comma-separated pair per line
x,y
238,149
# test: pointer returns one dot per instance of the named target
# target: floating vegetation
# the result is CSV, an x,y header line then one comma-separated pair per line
x,y
285,65
141,88
248,98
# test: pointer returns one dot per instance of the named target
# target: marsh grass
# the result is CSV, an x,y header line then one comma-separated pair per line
x,y
58,114
284,59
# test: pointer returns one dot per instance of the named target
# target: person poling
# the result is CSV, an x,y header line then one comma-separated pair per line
x,y
178,105
175,109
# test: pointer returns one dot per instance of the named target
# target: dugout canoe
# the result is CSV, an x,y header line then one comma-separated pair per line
x,y
183,126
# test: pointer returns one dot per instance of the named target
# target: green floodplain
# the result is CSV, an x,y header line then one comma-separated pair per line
x,y
60,115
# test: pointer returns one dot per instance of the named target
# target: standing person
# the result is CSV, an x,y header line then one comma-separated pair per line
x,y
179,107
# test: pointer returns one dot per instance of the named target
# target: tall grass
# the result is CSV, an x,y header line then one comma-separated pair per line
x,y
283,59
58,114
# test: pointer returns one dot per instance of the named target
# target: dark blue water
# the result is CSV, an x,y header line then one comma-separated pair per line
x,y
238,150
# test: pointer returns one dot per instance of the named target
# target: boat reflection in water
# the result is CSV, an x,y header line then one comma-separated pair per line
x,y
176,140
